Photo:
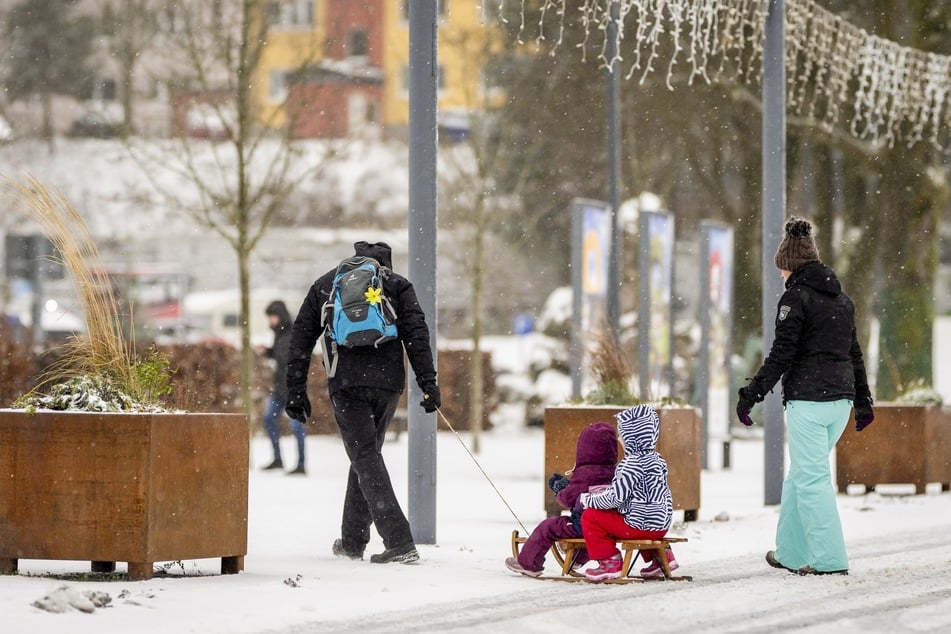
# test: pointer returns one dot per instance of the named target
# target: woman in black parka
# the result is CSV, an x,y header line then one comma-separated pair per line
x,y
817,354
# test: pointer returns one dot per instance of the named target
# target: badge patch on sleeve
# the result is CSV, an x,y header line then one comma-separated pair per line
x,y
784,312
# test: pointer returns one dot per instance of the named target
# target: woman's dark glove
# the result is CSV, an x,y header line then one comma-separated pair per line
x,y
557,482
744,405
863,414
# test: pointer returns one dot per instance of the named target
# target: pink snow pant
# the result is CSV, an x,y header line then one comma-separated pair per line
x,y
601,528
532,555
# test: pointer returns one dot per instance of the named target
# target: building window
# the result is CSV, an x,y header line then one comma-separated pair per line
x,y
440,9
277,86
357,43
291,14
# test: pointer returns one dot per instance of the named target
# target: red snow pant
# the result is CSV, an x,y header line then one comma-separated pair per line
x,y
601,528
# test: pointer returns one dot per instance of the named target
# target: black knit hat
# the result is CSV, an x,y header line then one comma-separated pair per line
x,y
797,248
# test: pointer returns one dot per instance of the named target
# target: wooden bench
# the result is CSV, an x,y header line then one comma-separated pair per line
x,y
566,550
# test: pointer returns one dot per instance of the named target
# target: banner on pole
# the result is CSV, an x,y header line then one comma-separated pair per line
x,y
590,258
716,323
655,314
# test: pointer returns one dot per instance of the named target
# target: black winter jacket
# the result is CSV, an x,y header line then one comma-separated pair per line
x,y
279,350
366,366
816,351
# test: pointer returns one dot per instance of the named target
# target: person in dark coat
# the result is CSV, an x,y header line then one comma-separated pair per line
x,y
595,458
364,392
280,321
817,354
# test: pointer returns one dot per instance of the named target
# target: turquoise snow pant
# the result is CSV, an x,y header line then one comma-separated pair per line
x,y
809,531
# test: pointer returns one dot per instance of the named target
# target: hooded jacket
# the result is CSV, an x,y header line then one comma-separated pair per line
x,y
366,366
280,348
595,459
639,489
816,350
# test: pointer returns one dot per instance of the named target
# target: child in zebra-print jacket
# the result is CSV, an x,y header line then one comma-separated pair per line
x,y
637,505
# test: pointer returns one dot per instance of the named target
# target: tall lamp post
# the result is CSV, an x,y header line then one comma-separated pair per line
x,y
423,69
614,177
774,212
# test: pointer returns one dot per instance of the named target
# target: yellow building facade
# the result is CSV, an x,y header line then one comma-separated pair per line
x,y
296,38
465,40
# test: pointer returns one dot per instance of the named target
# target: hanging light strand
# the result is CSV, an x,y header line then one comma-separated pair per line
x,y
839,75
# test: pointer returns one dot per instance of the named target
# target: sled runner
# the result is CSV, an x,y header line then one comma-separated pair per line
x,y
565,550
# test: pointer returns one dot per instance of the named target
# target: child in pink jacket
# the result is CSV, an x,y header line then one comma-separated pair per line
x,y
595,458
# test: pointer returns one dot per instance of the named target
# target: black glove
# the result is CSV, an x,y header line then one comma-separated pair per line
x,y
863,413
431,401
298,405
744,405
557,482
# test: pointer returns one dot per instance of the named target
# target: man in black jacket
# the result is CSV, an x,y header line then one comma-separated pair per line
x,y
364,391
817,354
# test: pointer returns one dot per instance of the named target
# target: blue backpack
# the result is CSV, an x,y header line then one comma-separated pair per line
x,y
358,312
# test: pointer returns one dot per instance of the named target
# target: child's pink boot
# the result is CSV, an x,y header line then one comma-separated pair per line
x,y
654,571
607,569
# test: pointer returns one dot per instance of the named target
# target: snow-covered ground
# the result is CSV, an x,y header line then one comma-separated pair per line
x,y
900,548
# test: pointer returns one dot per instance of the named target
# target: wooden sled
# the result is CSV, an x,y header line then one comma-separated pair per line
x,y
565,551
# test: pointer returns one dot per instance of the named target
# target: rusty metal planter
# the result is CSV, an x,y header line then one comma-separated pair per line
x,y
679,444
906,444
138,488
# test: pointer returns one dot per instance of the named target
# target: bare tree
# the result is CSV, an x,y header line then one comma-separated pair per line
x,y
47,48
235,183
131,27
478,209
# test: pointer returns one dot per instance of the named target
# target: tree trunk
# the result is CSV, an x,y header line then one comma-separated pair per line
x,y
128,119
243,207
47,131
476,378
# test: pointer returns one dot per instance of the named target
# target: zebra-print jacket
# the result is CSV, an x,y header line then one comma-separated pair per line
x,y
639,490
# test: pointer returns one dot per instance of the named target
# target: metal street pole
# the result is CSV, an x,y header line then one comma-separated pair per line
x,y
774,213
614,166
423,68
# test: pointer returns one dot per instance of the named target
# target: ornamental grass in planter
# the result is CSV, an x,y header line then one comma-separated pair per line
x,y
93,467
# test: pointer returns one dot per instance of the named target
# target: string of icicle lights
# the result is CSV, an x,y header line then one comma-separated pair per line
x,y
838,75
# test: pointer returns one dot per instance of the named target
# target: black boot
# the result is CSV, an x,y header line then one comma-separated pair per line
x,y
404,554
275,464
340,551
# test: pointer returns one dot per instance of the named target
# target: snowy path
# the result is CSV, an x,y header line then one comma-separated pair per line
x,y
888,591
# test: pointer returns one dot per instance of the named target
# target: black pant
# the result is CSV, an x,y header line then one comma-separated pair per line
x,y
363,415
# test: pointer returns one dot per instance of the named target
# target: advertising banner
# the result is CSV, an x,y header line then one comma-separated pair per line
x,y
655,314
590,257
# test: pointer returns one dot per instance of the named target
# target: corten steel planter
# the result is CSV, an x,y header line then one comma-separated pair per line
x,y
679,444
139,488
905,444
